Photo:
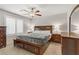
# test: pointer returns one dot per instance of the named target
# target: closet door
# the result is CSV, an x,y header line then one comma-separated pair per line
x,y
2,36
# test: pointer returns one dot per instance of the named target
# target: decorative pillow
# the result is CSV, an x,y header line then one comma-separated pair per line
x,y
43,32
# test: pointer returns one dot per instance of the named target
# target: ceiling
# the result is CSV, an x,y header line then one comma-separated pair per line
x,y
46,9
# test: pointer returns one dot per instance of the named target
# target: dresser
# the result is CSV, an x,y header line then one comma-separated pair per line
x,y
2,36
70,44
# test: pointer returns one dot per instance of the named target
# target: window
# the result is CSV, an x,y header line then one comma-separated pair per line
x,y
19,26
10,23
14,25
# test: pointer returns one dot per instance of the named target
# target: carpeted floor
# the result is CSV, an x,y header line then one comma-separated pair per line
x,y
53,49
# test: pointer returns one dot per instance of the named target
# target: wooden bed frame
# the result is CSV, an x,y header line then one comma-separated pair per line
x,y
34,48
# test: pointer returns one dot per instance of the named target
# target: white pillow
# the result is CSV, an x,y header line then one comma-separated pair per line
x,y
36,31
45,32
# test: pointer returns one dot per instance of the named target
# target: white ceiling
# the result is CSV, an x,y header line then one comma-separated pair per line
x,y
46,9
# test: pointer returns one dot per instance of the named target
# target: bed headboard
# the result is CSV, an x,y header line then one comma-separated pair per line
x,y
44,28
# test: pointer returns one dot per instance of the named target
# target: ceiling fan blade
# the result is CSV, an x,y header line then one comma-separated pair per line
x,y
37,11
38,14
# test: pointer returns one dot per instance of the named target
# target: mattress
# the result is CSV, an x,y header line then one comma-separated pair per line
x,y
35,38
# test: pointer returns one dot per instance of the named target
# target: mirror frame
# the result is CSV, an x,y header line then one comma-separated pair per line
x,y
71,19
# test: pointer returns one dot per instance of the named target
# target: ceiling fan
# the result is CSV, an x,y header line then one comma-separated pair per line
x,y
32,12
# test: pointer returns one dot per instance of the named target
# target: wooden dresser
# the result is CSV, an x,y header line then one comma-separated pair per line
x,y
70,44
56,38
2,36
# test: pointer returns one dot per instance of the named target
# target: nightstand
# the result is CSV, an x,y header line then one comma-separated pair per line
x,y
56,38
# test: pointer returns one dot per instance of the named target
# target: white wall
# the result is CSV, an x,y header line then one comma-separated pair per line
x,y
4,14
60,19
2,20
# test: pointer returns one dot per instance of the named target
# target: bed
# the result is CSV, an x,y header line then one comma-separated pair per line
x,y
35,42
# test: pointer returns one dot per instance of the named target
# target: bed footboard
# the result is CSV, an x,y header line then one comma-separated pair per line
x,y
37,49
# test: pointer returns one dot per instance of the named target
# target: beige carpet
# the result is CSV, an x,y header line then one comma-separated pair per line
x,y
53,49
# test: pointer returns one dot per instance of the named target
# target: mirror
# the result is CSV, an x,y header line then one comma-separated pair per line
x,y
74,21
